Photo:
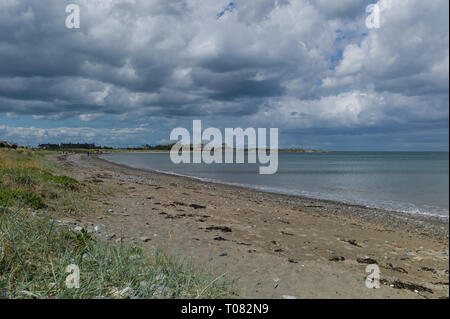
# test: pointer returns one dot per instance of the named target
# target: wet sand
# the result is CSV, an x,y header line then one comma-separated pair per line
x,y
271,245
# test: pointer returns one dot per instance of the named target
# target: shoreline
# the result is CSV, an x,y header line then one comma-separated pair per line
x,y
293,197
271,244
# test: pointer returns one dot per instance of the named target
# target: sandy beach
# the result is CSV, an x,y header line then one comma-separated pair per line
x,y
273,246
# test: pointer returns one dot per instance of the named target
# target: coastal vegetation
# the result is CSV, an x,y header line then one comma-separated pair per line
x,y
35,248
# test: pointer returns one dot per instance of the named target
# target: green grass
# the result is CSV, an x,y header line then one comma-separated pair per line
x,y
35,250
9,197
34,254
27,179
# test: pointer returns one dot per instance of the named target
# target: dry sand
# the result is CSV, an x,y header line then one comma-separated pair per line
x,y
272,245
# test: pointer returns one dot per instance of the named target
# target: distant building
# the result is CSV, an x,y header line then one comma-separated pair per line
x,y
78,145
48,146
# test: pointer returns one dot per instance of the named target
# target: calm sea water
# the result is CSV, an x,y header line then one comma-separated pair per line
x,y
415,182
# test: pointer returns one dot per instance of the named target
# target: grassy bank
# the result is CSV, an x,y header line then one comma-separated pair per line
x,y
35,250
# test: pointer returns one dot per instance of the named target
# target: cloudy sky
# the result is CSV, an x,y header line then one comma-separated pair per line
x,y
136,69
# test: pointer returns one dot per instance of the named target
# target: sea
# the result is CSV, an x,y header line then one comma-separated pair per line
x,y
412,182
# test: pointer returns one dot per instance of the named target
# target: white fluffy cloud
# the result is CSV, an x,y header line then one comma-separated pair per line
x,y
87,134
297,63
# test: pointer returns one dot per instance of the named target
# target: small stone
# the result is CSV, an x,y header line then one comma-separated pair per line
x,y
78,228
97,229
123,293
289,297
144,239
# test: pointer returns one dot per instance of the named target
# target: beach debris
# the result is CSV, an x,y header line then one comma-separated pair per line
x,y
244,244
331,252
282,221
288,297
391,267
224,229
276,279
220,238
110,210
292,261
352,242
441,283
428,269
397,284
286,233
336,258
223,254
144,239
179,203
366,260
78,228
97,229
196,206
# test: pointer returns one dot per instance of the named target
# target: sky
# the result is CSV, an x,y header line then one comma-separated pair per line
x,y
135,70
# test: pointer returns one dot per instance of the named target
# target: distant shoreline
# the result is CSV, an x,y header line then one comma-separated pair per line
x,y
236,150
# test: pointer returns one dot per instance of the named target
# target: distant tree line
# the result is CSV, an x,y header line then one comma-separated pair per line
x,y
148,147
4,144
